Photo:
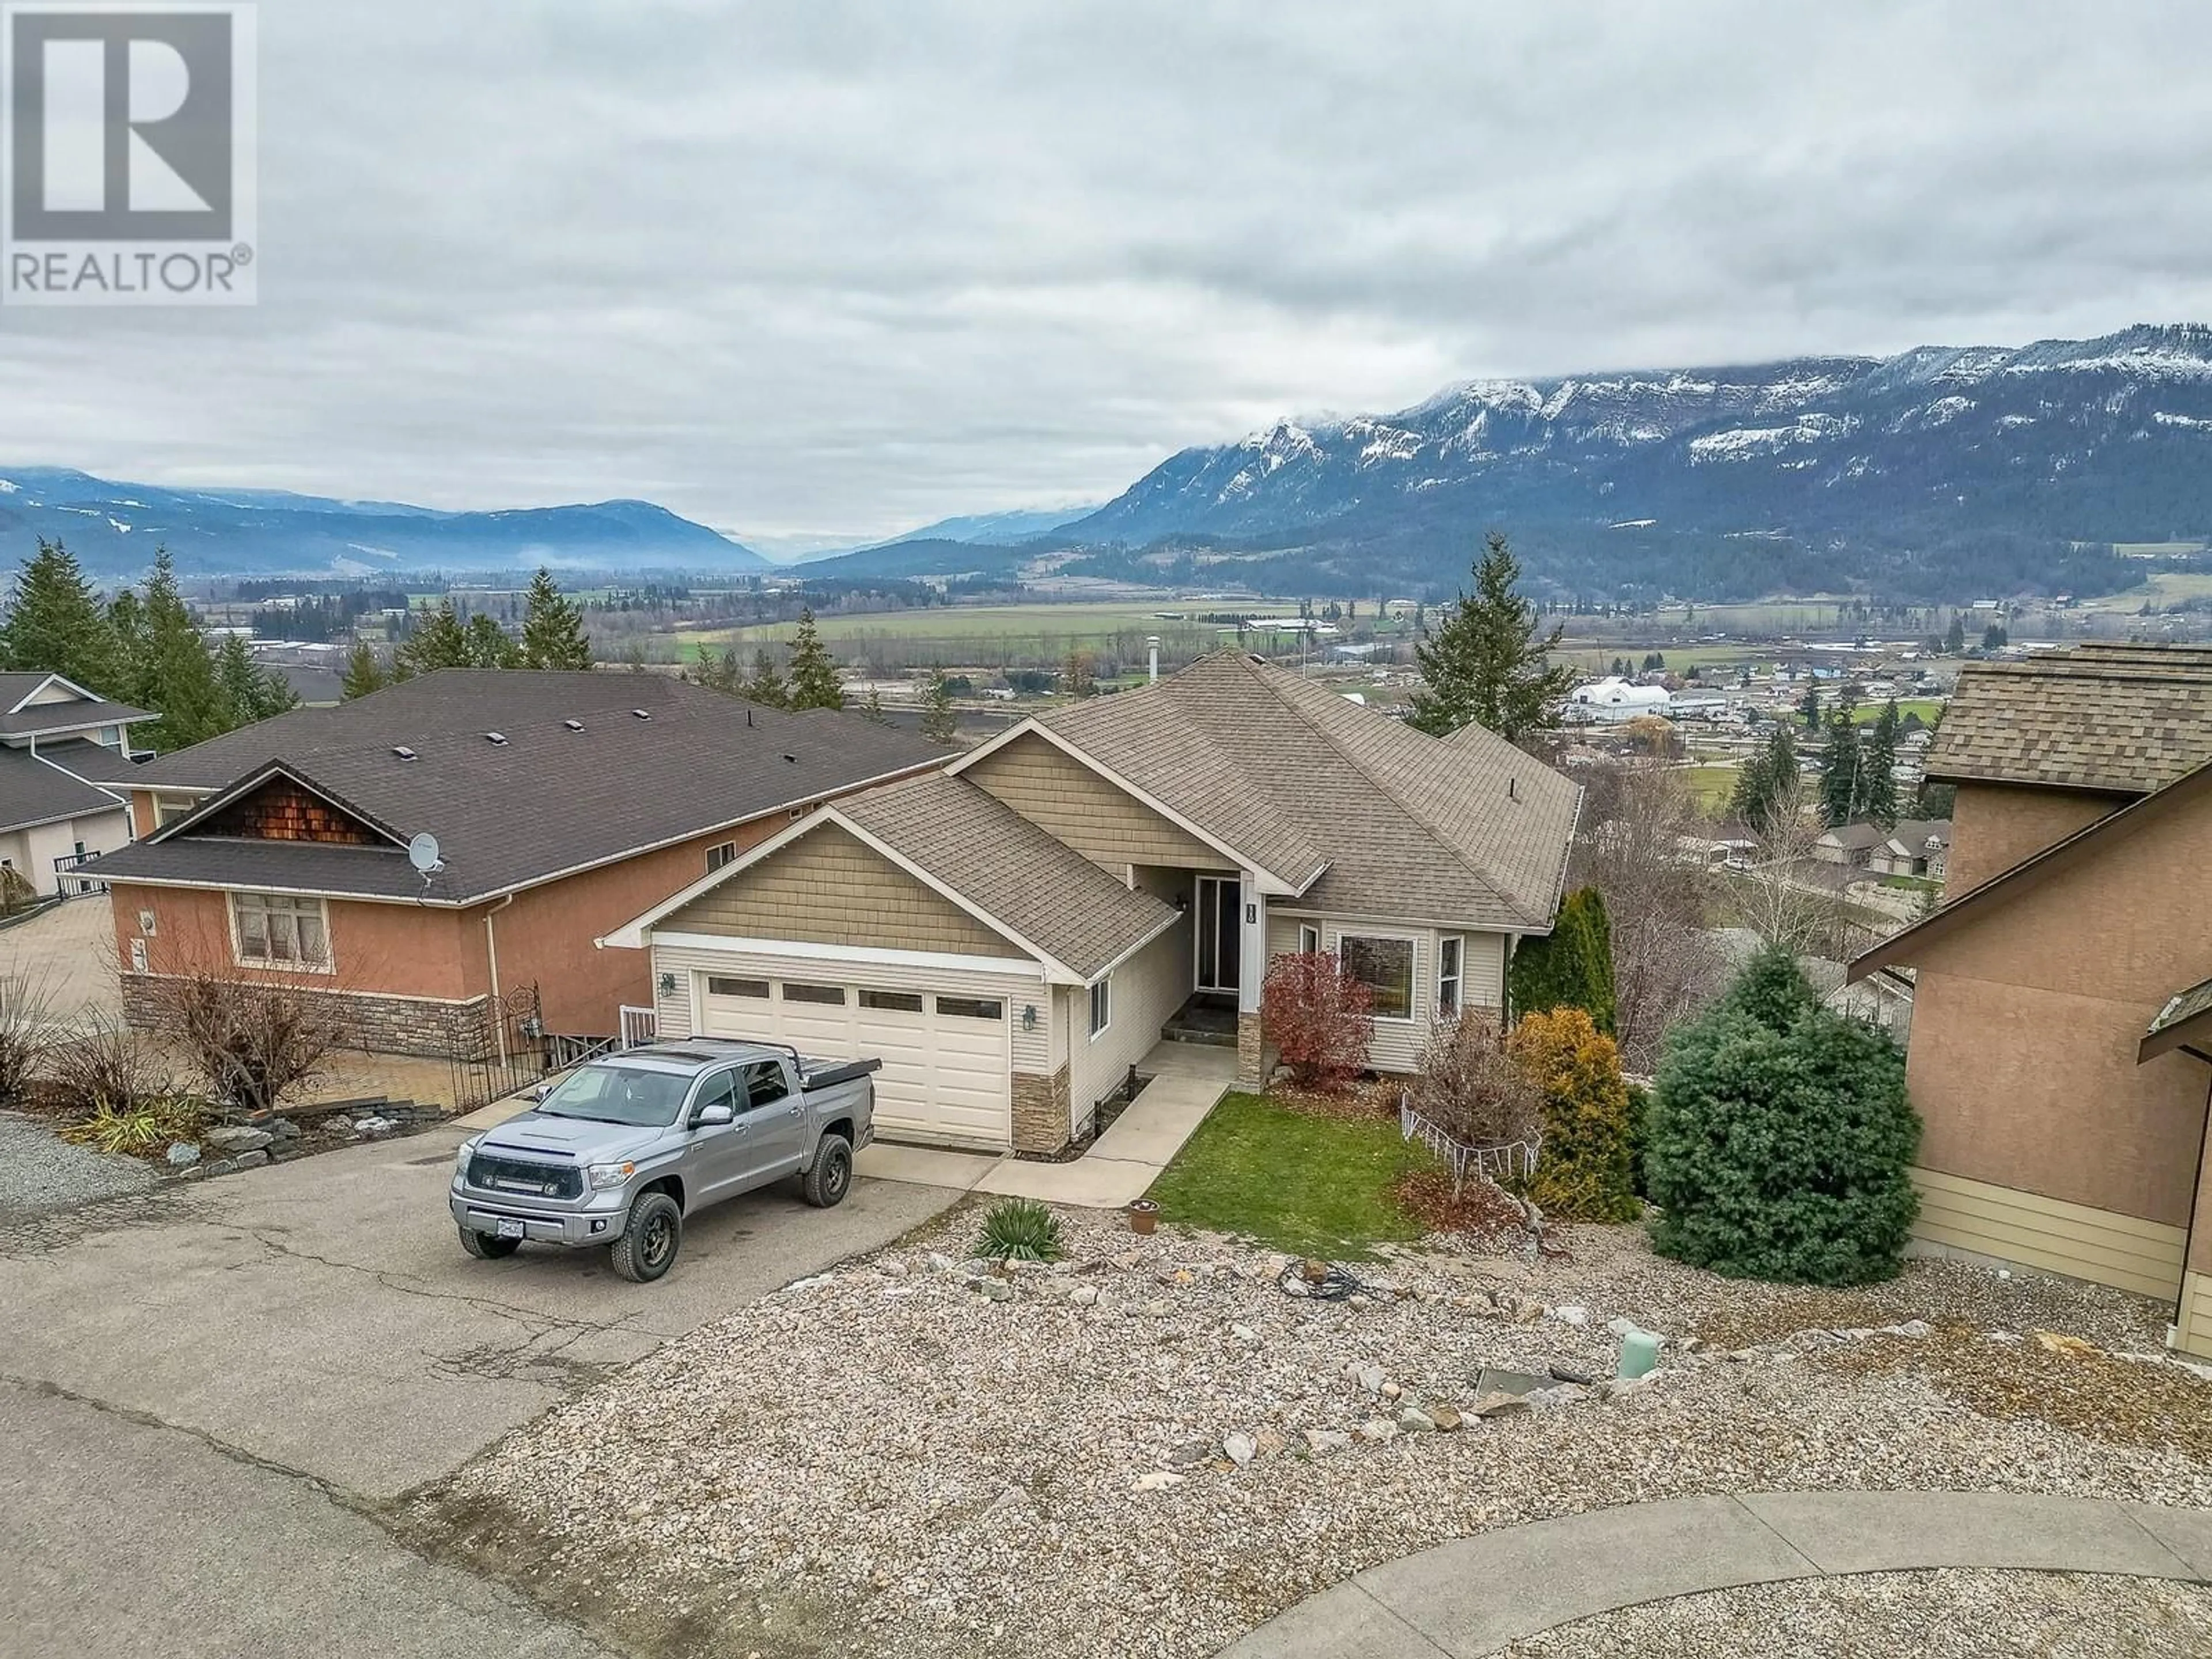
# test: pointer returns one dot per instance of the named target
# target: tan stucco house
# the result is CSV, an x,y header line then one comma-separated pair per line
x,y
2060,1051
1011,935
66,762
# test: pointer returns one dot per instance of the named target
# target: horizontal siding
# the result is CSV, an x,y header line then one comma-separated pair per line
x,y
1398,1043
1080,809
2049,1234
2193,1330
827,888
1146,990
1032,1048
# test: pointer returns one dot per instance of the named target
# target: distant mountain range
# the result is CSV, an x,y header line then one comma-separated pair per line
x,y
1933,474
113,529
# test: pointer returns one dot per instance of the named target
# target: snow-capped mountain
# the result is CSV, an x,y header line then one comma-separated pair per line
x,y
1870,461
113,529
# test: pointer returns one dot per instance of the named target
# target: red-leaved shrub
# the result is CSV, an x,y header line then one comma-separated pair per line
x,y
1319,1018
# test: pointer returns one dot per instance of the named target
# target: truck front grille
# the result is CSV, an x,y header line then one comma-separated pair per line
x,y
506,1174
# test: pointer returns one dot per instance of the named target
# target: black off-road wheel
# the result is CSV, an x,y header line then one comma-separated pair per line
x,y
486,1247
831,1177
648,1247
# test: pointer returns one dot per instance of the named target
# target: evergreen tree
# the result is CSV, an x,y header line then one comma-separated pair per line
x,y
1843,771
1586,1170
939,724
1488,665
1882,767
766,686
1767,779
872,709
249,692
489,646
1079,677
126,618
814,682
57,625
716,671
553,628
1810,708
1571,967
1955,641
1994,637
177,673
437,642
363,673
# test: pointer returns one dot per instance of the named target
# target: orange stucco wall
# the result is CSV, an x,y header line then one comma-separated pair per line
x,y
1994,826
401,949
2027,1019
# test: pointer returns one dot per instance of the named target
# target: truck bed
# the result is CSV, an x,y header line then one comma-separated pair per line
x,y
835,1072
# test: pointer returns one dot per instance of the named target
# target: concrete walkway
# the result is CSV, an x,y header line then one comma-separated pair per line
x,y
1187,1080
1475,1595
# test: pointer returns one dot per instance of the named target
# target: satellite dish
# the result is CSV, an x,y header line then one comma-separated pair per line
x,y
422,853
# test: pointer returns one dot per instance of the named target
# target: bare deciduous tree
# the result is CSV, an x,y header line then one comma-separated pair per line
x,y
1470,1088
1780,896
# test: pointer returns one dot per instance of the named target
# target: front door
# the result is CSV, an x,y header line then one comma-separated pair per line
x,y
774,1120
1220,935
718,1159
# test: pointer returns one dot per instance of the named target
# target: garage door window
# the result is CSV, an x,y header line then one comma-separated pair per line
x,y
829,995
892,1002
971,1007
719,987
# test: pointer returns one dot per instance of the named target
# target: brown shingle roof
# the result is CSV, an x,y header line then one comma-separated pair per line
x,y
1393,822
2126,719
1013,872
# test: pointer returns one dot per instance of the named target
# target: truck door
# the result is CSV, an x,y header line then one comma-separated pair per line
x,y
718,1160
774,1121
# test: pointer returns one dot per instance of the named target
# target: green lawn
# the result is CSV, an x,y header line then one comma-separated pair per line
x,y
1314,1186
1714,786
1927,709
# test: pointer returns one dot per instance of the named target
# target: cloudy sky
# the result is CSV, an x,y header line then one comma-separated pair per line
x,y
815,268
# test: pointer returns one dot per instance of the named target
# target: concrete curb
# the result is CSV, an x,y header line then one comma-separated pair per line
x,y
1473,1595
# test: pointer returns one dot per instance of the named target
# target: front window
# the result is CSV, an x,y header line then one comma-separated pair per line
x,y
1101,1006
1448,976
726,853
622,1094
277,930
1385,966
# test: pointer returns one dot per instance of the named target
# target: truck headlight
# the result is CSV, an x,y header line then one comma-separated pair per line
x,y
604,1176
462,1154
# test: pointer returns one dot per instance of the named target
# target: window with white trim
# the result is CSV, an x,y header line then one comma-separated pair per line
x,y
1102,1005
1309,939
1450,954
276,930
725,852
1383,963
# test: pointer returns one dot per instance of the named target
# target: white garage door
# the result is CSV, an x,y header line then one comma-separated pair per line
x,y
947,1073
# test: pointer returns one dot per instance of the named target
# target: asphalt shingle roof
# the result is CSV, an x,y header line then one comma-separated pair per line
x,y
2127,719
549,799
32,792
1011,870
1392,822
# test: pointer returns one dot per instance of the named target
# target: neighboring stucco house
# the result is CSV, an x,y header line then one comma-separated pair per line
x,y
562,804
65,766
1011,935
2059,1051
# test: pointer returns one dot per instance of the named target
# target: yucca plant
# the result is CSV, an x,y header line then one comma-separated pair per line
x,y
1020,1229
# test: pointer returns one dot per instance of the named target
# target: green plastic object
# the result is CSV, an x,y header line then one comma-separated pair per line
x,y
1639,1353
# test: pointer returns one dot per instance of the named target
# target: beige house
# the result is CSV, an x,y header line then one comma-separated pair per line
x,y
65,766
1013,934
2061,1052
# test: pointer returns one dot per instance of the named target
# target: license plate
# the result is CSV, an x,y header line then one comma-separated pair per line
x,y
509,1227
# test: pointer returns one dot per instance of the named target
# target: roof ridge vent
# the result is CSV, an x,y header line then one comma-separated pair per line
x,y
574,726
403,751
793,759
642,714
498,739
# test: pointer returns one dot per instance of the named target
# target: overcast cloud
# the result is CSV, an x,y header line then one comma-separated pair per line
x,y
840,268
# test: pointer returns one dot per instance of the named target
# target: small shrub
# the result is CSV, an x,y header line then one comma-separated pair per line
x,y
1319,1018
26,1034
252,1042
1585,1172
103,1066
1020,1229
1469,1087
1781,1137
144,1127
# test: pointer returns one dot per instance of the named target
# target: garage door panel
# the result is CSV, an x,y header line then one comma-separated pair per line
x,y
945,1077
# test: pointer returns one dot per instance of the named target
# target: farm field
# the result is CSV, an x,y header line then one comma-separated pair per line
x,y
2161,588
1713,786
1927,708
1593,657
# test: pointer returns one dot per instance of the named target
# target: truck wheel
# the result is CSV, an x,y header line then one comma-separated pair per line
x,y
831,1177
648,1244
486,1248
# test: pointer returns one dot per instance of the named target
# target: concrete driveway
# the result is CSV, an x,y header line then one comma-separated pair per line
x,y
207,1393
68,955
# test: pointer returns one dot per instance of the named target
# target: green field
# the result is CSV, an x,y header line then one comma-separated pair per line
x,y
999,633
2162,588
1927,708
1713,786
1596,657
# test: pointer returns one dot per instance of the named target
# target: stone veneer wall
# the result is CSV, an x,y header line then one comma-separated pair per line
x,y
380,1024
1041,1110
1251,1051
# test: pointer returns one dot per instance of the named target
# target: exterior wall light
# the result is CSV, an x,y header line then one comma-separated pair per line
x,y
1029,1017
668,985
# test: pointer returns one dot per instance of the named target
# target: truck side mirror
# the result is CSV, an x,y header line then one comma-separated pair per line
x,y
707,1117
541,1091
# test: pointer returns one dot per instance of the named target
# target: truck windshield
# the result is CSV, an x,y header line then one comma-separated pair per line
x,y
618,1094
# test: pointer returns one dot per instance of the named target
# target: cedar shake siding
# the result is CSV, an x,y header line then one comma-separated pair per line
x,y
830,888
1076,806
281,809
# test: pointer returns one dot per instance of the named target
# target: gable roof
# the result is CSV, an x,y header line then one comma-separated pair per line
x,y
1902,947
579,779
20,717
2185,1022
962,842
2122,718
32,791
1356,813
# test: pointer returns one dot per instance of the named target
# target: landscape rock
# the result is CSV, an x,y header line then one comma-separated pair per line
x,y
1320,1442
182,1155
230,1138
1412,1421
1157,1480
995,1290
1378,1429
374,1125
1370,1377
1569,1374
1083,1294
1245,1334
1498,1404
1446,1419
1572,1315
1239,1449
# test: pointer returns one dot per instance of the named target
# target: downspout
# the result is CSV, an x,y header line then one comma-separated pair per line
x,y
2195,1200
491,957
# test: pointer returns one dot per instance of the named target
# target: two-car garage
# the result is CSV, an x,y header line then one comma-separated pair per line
x,y
947,1072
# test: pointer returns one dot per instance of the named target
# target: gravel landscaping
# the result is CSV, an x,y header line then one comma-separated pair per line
x,y
1151,1448
1945,1615
40,1175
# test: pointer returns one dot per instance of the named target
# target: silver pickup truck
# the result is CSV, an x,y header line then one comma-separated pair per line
x,y
622,1150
